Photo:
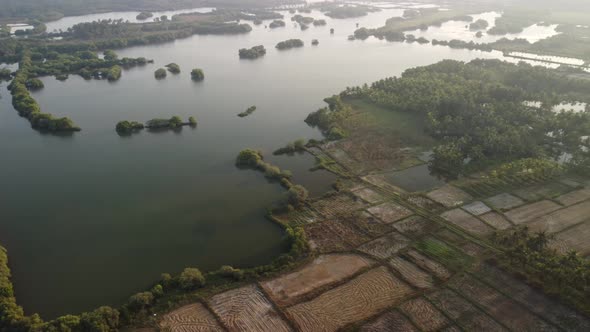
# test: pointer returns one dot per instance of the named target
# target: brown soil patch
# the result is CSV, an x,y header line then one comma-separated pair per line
x,y
415,226
575,238
558,220
368,195
424,315
462,312
386,246
411,273
531,212
190,318
504,201
496,220
429,265
390,321
331,236
362,297
390,212
574,197
323,271
467,222
501,308
449,196
338,204
534,300
246,309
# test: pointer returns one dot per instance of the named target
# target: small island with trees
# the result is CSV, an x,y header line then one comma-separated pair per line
x,y
290,43
173,68
144,16
252,53
276,24
160,74
247,112
197,75
175,122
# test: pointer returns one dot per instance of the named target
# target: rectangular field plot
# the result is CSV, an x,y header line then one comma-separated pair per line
x,y
390,212
368,195
411,273
324,270
246,309
360,298
530,212
465,245
190,318
389,321
429,265
463,312
558,220
424,315
385,246
496,220
534,300
504,201
476,208
574,197
424,203
502,309
575,238
541,191
332,236
448,256
415,226
365,223
449,196
336,205
467,222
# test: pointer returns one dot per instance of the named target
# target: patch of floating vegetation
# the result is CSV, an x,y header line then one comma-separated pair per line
x,y
247,112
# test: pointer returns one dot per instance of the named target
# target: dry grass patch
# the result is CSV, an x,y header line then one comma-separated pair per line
x,y
190,318
390,212
424,315
415,226
365,223
496,220
449,196
246,309
368,195
574,197
359,299
501,308
385,246
530,212
462,312
575,238
389,321
504,201
534,300
338,204
411,273
323,271
559,220
467,222
331,236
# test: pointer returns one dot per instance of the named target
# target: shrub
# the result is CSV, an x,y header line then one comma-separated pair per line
x,y
197,75
249,158
191,278
160,73
173,68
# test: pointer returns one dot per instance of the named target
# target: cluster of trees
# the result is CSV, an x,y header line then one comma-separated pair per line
x,y
302,19
253,159
160,73
512,22
247,112
478,111
252,53
461,44
291,148
276,24
5,74
29,108
128,127
144,16
329,119
412,39
290,43
479,25
173,68
319,22
197,74
346,11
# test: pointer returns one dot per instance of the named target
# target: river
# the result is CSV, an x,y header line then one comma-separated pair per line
x,y
91,218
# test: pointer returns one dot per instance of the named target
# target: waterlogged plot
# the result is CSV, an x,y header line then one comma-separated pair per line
x,y
323,271
463,312
246,309
575,238
330,236
530,212
362,297
467,222
574,197
386,246
561,219
504,201
541,191
190,318
389,321
501,308
476,208
415,226
496,220
390,212
429,265
534,300
336,205
424,315
411,273
368,195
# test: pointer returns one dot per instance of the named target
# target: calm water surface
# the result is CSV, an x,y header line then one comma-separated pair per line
x,y
91,218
